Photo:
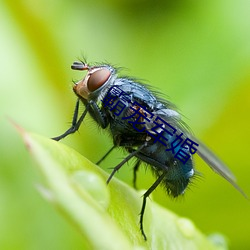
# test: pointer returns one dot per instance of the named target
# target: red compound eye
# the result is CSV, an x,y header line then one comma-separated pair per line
x,y
97,79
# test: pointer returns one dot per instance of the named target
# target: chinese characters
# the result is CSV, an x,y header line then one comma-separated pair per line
x,y
163,132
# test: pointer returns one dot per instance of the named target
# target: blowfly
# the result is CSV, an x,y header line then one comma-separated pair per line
x,y
148,127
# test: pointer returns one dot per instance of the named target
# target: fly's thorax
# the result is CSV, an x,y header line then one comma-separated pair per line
x,y
97,79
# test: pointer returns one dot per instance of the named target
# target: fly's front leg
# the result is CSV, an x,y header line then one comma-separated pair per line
x,y
75,123
93,109
97,114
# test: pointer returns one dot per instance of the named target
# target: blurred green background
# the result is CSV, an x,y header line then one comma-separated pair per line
x,y
195,52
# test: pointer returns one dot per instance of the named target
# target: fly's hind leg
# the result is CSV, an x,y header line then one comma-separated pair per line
x,y
145,196
135,169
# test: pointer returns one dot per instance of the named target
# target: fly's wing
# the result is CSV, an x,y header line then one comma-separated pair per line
x,y
216,164
173,117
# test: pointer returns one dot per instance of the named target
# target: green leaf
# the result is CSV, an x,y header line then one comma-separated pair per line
x,y
107,215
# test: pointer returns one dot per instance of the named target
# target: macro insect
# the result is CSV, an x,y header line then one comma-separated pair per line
x,y
148,127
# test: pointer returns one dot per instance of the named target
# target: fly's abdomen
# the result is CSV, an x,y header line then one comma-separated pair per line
x,y
167,156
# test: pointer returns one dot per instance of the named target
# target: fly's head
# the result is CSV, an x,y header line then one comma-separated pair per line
x,y
96,78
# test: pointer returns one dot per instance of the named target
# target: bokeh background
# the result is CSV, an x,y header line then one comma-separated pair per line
x,y
195,52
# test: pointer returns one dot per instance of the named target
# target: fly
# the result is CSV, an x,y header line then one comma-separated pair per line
x,y
148,127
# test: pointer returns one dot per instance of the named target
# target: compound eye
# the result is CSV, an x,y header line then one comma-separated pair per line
x,y
97,79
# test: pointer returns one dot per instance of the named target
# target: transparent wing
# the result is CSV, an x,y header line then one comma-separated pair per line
x,y
216,164
173,117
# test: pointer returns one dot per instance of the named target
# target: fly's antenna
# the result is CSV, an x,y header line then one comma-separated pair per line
x,y
80,66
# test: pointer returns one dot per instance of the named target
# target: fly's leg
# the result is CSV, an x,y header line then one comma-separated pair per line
x,y
91,107
124,161
97,114
75,124
136,167
145,196
105,155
